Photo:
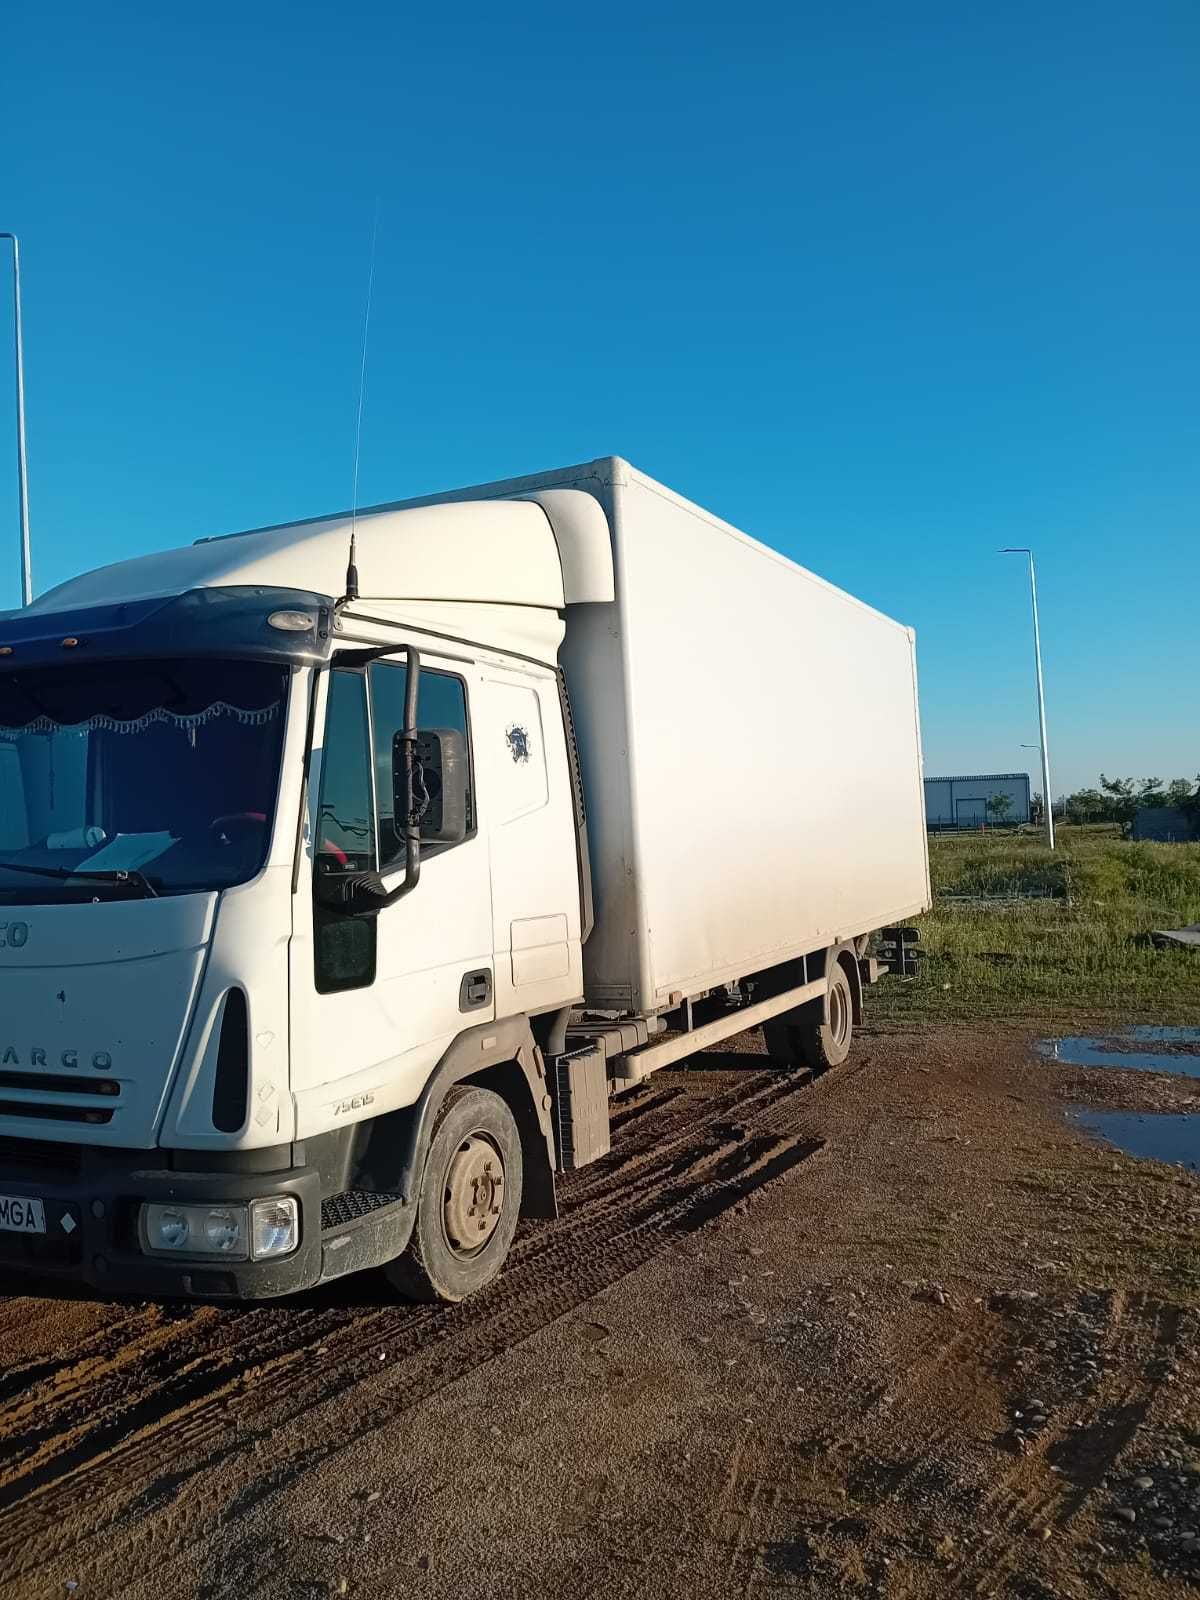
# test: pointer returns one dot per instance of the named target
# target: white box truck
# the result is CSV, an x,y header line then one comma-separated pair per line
x,y
337,897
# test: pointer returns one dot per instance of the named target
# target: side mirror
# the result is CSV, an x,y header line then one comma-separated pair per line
x,y
438,802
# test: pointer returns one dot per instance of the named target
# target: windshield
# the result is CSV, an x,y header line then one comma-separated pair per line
x,y
164,772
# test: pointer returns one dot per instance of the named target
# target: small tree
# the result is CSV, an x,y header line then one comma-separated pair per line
x,y
1127,794
1088,805
999,805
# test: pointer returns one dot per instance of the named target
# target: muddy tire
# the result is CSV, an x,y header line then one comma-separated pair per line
x,y
468,1203
812,1037
825,1030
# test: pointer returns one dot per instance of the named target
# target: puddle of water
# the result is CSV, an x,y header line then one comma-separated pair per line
x,y
1179,1055
1157,1135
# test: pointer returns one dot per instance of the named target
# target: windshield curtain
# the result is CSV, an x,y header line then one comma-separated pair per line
x,y
164,768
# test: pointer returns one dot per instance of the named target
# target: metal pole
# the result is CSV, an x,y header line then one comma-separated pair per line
x,y
1047,798
1037,652
22,462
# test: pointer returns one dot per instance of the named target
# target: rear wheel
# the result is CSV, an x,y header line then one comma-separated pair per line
x,y
817,1035
825,1037
469,1200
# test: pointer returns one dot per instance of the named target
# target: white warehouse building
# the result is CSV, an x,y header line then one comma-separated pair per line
x,y
963,802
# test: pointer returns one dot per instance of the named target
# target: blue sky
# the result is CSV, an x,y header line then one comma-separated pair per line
x,y
888,290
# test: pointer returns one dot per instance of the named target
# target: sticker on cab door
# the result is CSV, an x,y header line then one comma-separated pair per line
x,y
518,743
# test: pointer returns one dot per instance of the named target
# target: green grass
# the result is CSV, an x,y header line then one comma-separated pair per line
x,y
1078,947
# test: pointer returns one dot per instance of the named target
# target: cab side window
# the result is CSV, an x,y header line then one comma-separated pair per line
x,y
346,815
355,824
344,947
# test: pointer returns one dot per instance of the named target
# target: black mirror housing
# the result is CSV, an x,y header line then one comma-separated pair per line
x,y
440,784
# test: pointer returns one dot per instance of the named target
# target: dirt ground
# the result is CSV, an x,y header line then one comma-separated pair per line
x,y
898,1331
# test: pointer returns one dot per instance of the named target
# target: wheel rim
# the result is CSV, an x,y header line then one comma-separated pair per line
x,y
839,1013
473,1195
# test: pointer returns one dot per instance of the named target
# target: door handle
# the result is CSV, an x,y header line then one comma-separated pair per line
x,y
475,991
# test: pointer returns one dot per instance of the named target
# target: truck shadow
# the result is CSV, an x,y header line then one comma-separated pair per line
x,y
358,1291
726,1060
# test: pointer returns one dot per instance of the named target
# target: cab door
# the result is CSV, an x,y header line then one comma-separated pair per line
x,y
377,999
531,835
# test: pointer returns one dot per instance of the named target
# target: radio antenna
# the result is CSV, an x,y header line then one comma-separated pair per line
x,y
352,564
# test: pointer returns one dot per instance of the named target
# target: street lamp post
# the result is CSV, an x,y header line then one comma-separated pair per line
x,y
22,464
1023,550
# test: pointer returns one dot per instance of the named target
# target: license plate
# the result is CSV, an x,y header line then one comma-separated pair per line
x,y
20,1215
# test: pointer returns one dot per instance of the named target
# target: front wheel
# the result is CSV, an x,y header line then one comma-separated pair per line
x,y
468,1203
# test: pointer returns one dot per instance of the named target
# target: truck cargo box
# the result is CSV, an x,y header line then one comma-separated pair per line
x,y
750,744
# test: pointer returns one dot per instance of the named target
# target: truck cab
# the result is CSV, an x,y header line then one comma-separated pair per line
x,y
291,895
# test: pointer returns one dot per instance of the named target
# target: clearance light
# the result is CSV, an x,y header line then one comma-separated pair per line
x,y
291,621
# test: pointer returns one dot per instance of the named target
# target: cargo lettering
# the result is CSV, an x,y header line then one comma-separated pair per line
x,y
11,1057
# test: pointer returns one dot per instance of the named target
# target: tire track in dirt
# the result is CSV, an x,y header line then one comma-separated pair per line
x,y
225,1407
895,1437
552,1250
50,1372
87,1407
433,1364
46,1421
890,1445
761,1494
893,1452
1029,1495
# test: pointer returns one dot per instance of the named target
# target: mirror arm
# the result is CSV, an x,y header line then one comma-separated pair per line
x,y
412,823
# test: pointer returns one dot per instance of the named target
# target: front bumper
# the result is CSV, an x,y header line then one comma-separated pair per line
x,y
92,1200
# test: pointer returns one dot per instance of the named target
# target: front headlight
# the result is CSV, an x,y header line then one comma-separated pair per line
x,y
196,1230
261,1231
169,1229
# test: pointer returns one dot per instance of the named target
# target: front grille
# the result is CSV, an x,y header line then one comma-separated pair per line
x,y
351,1205
57,1083
50,1111
42,1155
